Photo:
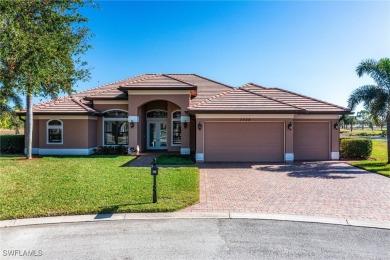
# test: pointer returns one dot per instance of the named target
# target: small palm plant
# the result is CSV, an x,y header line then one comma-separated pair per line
x,y
375,98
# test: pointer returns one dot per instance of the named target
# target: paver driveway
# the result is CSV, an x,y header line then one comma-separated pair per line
x,y
328,189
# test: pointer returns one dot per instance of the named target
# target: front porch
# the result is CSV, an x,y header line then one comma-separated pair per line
x,y
160,124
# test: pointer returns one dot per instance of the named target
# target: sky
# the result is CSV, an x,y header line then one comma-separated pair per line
x,y
309,47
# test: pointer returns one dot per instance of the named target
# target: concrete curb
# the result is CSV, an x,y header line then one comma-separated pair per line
x,y
191,215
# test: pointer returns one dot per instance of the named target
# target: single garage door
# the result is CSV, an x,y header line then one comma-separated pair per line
x,y
311,141
244,142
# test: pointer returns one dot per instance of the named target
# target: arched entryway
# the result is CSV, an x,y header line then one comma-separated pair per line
x,y
159,122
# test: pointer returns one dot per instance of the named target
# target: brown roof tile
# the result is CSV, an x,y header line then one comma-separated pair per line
x,y
241,100
71,105
300,101
206,87
158,81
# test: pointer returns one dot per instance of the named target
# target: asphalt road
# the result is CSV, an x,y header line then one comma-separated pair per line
x,y
195,239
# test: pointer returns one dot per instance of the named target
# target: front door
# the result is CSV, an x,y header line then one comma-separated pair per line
x,y
157,134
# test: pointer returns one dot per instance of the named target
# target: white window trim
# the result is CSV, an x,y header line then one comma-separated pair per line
x,y
175,120
114,119
54,127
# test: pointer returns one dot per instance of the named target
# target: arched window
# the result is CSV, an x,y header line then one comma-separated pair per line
x,y
176,128
54,132
157,114
116,127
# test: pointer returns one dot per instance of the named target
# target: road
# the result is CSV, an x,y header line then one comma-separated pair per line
x,y
195,239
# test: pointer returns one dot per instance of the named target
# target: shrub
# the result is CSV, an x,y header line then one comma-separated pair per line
x,y
12,143
384,133
364,134
111,150
355,148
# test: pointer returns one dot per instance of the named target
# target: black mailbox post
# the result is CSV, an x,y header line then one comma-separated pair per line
x,y
154,172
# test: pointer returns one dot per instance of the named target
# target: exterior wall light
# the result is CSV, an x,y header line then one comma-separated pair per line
x,y
131,124
185,124
336,125
290,126
200,126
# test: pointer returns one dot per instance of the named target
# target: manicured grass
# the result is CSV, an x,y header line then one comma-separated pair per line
x,y
52,186
174,159
378,161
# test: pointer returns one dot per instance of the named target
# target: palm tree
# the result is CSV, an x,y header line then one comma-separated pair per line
x,y
376,98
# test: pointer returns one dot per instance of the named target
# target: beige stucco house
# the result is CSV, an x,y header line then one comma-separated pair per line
x,y
187,113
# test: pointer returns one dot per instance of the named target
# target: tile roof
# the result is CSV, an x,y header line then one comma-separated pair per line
x,y
211,96
242,100
65,105
157,81
207,88
305,103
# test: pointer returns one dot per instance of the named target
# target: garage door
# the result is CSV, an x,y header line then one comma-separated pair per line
x,y
311,141
244,142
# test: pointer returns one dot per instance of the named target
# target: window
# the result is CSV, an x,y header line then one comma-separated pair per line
x,y
54,132
176,128
116,128
157,114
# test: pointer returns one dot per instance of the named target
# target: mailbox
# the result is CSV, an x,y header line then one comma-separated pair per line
x,y
154,168
154,172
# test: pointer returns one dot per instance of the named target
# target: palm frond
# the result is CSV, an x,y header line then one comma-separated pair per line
x,y
363,94
378,70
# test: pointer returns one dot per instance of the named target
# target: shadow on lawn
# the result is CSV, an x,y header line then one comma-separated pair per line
x,y
108,211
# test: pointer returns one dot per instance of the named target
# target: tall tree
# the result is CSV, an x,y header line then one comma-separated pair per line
x,y
376,98
41,43
363,118
348,120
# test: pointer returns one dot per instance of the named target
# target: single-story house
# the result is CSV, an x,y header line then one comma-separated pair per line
x,y
188,113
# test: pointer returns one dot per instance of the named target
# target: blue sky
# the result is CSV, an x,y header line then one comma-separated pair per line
x,y
309,47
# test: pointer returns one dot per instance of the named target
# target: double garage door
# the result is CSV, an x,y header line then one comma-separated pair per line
x,y
263,141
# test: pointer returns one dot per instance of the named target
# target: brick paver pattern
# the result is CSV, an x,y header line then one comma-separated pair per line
x,y
323,189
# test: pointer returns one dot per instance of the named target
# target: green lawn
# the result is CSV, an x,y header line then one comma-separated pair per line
x,y
51,186
360,132
377,161
174,159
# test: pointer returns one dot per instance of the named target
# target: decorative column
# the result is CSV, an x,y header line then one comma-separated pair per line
x,y
133,131
289,131
335,140
185,134
199,156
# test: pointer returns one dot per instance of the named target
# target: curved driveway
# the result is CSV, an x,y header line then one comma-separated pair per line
x,y
325,189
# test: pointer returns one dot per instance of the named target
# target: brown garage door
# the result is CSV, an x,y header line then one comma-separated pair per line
x,y
311,141
244,142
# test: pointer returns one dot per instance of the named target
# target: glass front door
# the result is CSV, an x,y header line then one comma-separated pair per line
x,y
157,134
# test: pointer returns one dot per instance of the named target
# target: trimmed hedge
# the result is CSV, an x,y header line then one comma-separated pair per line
x,y
106,150
355,148
12,143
